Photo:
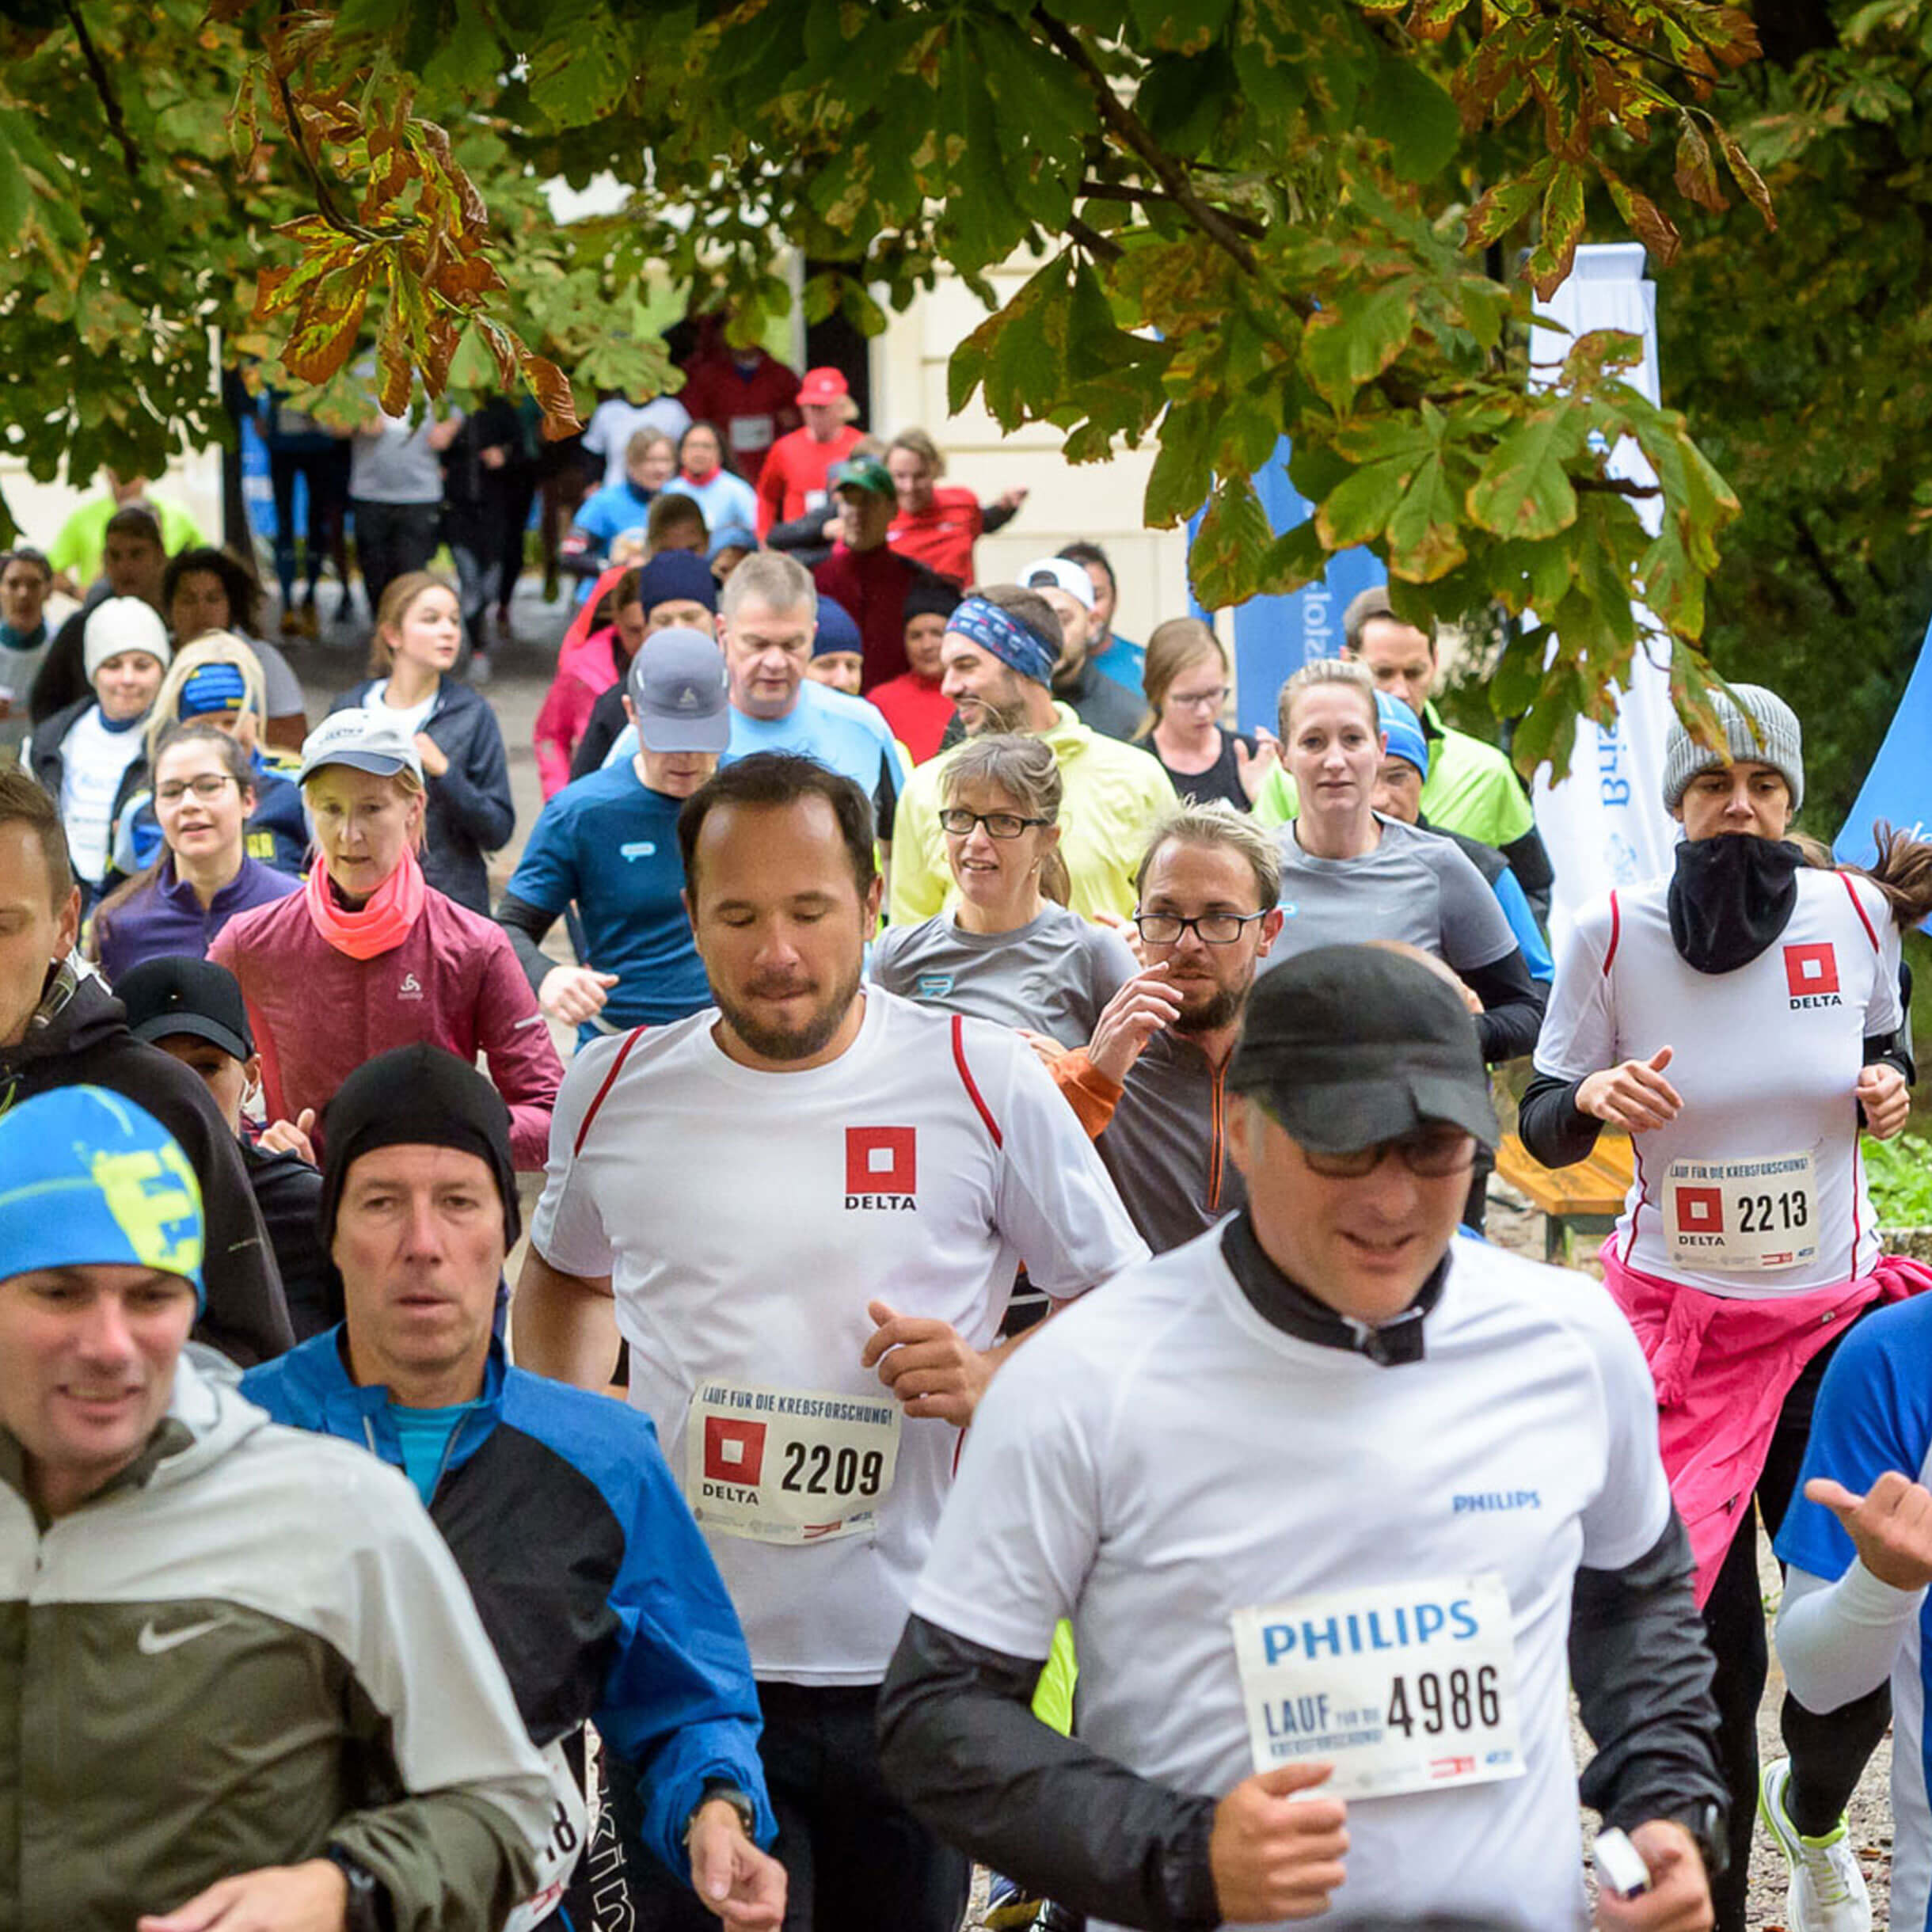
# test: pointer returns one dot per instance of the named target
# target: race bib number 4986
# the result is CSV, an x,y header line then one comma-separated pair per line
x,y
1402,1686
789,1465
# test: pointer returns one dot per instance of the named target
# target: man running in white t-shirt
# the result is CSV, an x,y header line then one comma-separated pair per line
x,y
806,1208
1339,1504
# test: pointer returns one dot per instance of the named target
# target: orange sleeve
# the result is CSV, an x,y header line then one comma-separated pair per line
x,y
1092,1095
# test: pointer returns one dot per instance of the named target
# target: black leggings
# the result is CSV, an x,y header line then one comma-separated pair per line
x,y
1829,1753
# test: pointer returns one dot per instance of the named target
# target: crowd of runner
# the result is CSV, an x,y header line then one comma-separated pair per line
x,y
1006,1366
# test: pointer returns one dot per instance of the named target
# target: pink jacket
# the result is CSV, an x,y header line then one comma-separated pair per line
x,y
1723,1367
586,669
317,1014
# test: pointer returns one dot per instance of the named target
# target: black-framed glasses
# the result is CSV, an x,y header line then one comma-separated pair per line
x,y
957,820
1215,929
1432,1154
206,786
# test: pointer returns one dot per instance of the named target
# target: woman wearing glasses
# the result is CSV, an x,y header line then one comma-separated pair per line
x,y
1348,874
1186,682
1008,949
204,794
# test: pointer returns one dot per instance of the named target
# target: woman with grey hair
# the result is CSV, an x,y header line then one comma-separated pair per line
x,y
1006,947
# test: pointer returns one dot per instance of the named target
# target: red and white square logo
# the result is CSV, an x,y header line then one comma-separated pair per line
x,y
734,1451
1700,1211
1811,969
881,1160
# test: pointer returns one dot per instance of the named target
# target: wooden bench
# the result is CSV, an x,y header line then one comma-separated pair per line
x,y
1584,1200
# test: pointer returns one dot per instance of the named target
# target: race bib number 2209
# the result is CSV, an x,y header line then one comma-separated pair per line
x,y
789,1465
1403,1688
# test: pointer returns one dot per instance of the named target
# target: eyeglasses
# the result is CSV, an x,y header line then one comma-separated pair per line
x,y
960,823
208,787
1433,1155
1215,929
1200,701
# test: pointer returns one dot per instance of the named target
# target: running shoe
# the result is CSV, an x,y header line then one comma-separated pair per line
x,y
1828,1892
1010,1907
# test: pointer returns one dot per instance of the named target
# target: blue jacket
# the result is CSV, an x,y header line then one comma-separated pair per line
x,y
591,1578
164,917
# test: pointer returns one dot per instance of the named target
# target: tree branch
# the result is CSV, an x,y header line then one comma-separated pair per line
x,y
325,203
110,103
1146,197
1091,239
1615,486
1131,130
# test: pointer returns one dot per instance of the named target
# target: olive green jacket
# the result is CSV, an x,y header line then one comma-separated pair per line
x,y
252,1643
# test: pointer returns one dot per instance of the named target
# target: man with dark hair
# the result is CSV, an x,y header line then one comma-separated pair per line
x,y
863,573
1472,788
1000,649
60,1027
25,578
134,564
590,1576
809,1365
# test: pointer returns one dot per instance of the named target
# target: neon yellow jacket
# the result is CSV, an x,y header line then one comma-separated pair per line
x,y
1113,792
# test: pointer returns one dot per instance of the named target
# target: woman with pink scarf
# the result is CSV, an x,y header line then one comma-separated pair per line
x,y
368,956
1741,1020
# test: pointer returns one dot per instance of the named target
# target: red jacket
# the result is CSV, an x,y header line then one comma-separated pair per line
x,y
942,537
586,669
793,480
919,711
750,411
317,1014
871,586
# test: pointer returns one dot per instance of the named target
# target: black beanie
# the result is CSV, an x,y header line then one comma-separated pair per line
x,y
417,1096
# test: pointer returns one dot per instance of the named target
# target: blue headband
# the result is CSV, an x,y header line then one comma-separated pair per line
x,y
213,687
1404,733
1014,643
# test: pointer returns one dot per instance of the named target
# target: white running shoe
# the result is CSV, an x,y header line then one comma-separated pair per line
x,y
1828,1892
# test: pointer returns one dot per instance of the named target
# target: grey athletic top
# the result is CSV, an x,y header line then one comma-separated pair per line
x,y
1415,886
1051,975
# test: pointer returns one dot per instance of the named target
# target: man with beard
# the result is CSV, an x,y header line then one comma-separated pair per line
x,y
1151,1083
999,654
805,1208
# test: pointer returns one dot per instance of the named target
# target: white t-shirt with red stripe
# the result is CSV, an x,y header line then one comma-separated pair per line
x,y
1764,1059
747,1219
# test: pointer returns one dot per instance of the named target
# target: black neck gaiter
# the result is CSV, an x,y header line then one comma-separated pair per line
x,y
1730,897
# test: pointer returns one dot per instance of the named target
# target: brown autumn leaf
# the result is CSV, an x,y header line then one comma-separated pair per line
x,y
1697,172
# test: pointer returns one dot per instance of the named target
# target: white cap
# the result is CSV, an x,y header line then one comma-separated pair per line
x,y
1060,573
119,624
363,738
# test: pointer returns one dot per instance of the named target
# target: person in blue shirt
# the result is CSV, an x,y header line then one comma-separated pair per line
x,y
610,525
591,1578
608,845
768,617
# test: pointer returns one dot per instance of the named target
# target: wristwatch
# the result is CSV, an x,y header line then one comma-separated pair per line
x,y
1704,1823
368,1909
718,1790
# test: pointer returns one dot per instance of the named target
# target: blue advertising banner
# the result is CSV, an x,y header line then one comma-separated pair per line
x,y
1274,637
1898,788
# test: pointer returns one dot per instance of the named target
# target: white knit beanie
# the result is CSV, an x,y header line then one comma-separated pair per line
x,y
119,624
1776,741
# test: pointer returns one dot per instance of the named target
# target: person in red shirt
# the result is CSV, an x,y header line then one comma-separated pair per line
x,y
794,478
752,397
938,527
863,573
915,704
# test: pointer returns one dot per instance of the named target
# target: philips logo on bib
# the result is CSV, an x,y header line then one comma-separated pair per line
x,y
882,1169
1811,974
1388,1627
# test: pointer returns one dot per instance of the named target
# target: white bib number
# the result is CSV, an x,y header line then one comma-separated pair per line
x,y
569,1827
1407,1686
752,433
1744,1214
789,1465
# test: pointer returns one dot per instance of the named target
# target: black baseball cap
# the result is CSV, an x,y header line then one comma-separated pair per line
x,y
1348,1046
167,996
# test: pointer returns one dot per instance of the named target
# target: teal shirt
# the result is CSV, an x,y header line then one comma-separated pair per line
x,y
425,1434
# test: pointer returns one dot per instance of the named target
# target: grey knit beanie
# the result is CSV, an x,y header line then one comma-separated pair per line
x,y
1776,742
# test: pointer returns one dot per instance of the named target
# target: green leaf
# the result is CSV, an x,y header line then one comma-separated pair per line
x,y
1425,534
1406,108
1229,545
1523,489
1353,342
1357,511
1183,474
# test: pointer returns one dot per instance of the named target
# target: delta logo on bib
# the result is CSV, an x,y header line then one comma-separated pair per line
x,y
734,1451
882,1169
1811,975
1700,1211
